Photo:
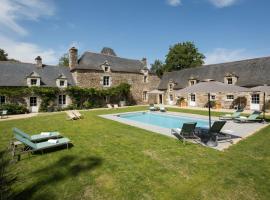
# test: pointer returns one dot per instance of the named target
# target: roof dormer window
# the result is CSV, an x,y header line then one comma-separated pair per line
x,y
33,82
33,79
230,79
61,81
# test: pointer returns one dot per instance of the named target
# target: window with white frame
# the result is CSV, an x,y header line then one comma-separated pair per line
x,y
171,87
230,97
192,82
33,81
171,97
2,100
145,96
193,97
106,68
106,81
229,81
62,99
213,97
62,83
33,101
255,99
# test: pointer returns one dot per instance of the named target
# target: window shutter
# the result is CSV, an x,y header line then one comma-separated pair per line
x,y
110,81
101,80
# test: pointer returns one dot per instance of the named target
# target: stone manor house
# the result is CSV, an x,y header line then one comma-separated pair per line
x,y
92,70
105,70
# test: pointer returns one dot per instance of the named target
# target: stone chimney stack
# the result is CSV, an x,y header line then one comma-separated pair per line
x,y
39,61
73,57
144,61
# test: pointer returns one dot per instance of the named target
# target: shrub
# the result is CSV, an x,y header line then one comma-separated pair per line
x,y
14,108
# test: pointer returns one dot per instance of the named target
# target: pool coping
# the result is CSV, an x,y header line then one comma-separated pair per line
x,y
248,128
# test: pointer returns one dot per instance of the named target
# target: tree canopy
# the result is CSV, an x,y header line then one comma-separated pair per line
x,y
183,55
158,68
3,55
64,60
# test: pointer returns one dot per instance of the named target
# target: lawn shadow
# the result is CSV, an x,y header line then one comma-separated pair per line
x,y
7,179
66,167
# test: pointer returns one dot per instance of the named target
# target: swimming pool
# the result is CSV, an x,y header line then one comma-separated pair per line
x,y
163,120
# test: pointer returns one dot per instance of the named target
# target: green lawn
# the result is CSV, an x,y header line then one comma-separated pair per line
x,y
110,160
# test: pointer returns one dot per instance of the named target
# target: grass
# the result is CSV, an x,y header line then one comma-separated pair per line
x,y
110,160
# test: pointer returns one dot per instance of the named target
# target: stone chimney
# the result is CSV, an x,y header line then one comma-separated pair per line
x,y
73,57
144,61
38,61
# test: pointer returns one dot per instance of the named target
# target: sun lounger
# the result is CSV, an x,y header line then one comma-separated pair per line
x,y
236,114
162,109
214,134
109,106
254,117
78,114
33,147
71,115
152,107
4,114
186,132
38,137
115,106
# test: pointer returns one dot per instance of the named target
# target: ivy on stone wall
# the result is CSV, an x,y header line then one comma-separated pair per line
x,y
47,95
92,98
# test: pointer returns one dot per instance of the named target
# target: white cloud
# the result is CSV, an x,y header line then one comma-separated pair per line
x,y
13,11
174,2
221,55
27,52
223,3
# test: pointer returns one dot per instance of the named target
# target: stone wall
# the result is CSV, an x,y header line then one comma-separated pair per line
x,y
94,79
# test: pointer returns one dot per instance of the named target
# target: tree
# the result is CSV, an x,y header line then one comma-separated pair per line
x,y
183,55
3,55
158,68
64,60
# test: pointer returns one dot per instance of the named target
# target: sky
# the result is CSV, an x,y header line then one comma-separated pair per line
x,y
223,30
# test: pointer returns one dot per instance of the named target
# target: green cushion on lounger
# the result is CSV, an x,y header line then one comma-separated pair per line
x,y
36,137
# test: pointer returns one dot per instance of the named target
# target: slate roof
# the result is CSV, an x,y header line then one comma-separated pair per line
x,y
250,73
93,61
14,74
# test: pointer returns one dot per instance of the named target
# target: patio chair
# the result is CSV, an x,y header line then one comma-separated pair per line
x,y
109,106
236,114
4,114
186,132
41,146
115,106
78,114
213,135
152,107
71,115
254,117
162,109
38,137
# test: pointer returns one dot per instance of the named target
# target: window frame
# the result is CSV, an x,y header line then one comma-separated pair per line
x,y
1,98
145,79
171,97
33,103
33,79
193,97
106,83
256,99
60,83
62,99
171,87
145,96
229,95
230,81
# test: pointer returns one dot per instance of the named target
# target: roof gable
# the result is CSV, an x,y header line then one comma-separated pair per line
x,y
250,73
94,61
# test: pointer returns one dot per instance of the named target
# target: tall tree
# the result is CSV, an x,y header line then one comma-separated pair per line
x,y
183,55
3,55
64,60
158,68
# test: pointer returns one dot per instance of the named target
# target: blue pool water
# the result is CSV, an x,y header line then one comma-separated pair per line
x,y
163,120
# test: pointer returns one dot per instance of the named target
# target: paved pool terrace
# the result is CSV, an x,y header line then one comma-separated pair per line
x,y
239,130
